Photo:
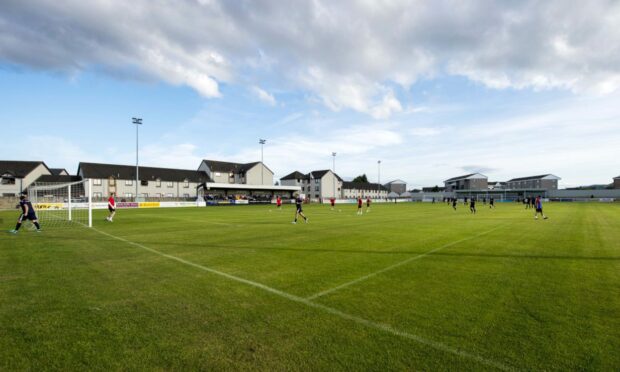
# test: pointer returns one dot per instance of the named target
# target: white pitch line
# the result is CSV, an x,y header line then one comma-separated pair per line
x,y
398,264
368,323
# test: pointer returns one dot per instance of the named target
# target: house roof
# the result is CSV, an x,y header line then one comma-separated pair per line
x,y
59,171
363,186
550,176
314,174
466,176
294,176
321,173
225,166
58,178
128,172
19,169
615,178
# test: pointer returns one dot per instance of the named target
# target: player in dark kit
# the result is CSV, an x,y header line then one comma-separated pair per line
x,y
27,213
368,204
472,205
299,211
492,203
454,203
359,205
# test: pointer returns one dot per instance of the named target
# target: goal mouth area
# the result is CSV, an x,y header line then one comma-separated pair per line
x,y
62,204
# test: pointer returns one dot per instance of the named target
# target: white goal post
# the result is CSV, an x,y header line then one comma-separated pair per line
x,y
62,204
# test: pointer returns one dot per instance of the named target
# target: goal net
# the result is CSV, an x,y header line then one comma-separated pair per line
x,y
59,204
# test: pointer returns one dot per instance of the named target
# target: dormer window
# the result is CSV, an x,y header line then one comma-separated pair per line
x,y
8,179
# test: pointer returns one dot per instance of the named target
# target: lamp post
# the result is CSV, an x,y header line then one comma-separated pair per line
x,y
334,170
136,121
262,173
378,177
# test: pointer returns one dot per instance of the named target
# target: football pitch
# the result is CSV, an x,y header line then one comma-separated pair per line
x,y
403,287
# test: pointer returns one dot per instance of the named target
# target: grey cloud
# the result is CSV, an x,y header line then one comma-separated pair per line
x,y
346,53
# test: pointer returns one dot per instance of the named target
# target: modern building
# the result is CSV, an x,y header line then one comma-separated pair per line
x,y
473,181
158,183
397,186
255,173
617,182
320,184
16,176
541,182
351,190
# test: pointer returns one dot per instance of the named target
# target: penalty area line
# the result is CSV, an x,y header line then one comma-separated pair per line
x,y
398,264
356,319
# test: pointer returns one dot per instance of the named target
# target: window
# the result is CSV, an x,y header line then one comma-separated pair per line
x,y
144,195
316,180
316,188
97,182
169,195
128,182
144,183
128,195
112,181
158,183
97,195
186,184
186,196
168,184
158,195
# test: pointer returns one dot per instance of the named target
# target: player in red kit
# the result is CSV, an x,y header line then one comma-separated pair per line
x,y
111,207
332,201
279,203
359,205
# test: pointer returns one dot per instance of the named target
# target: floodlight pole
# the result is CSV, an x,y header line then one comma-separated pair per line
x,y
334,170
137,121
262,173
378,177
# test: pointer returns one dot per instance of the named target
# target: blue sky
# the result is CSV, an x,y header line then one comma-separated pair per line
x,y
431,89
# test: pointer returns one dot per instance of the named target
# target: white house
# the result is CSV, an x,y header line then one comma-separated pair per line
x,y
16,176
351,190
255,173
320,184
158,183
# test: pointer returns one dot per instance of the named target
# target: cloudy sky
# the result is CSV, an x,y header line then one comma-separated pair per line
x,y
433,89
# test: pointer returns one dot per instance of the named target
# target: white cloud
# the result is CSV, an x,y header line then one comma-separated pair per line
x,y
264,96
349,54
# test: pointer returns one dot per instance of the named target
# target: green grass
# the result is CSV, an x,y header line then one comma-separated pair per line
x,y
502,290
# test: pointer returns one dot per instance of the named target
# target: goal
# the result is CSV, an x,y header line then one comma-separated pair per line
x,y
62,204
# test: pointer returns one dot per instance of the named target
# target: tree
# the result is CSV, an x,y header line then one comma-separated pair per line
x,y
436,188
361,179
277,183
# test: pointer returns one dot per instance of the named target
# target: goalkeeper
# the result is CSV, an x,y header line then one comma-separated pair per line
x,y
28,213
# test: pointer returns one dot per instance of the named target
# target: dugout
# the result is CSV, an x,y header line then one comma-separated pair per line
x,y
261,194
